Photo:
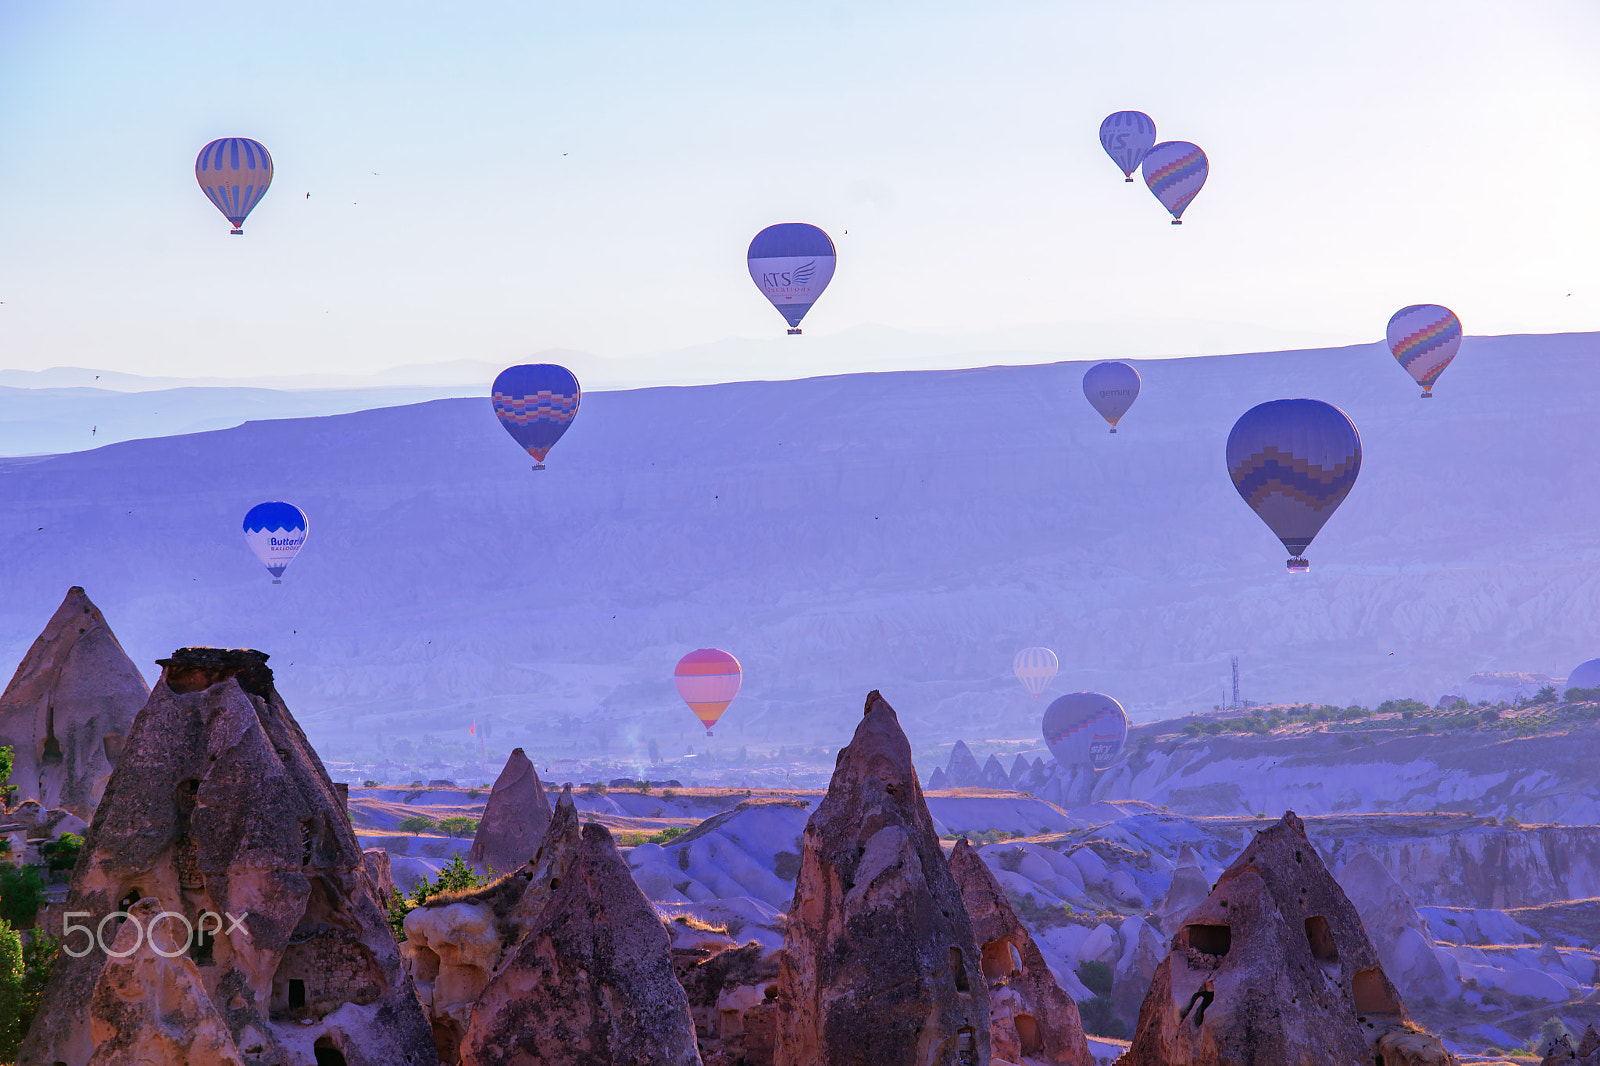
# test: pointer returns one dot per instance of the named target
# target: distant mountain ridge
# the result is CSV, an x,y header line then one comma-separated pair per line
x,y
908,531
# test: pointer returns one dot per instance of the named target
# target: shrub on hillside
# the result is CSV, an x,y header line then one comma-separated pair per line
x,y
1213,728
1192,729
417,823
1096,977
1583,695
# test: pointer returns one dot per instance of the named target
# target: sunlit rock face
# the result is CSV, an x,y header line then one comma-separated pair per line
x,y
67,710
515,817
1029,1015
591,982
1274,967
220,813
880,965
455,942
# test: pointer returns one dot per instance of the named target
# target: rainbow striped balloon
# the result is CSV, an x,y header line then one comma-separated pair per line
x,y
235,173
708,679
1175,171
1424,338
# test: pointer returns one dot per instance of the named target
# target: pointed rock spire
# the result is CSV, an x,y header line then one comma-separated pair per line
x,y
1274,966
67,711
514,818
880,965
592,981
1019,769
962,771
1029,1014
994,775
220,807
455,942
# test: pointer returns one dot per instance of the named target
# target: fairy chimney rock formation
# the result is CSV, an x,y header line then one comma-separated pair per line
x,y
963,770
994,775
514,818
150,1005
220,812
455,942
880,967
1029,1014
67,710
592,982
1274,966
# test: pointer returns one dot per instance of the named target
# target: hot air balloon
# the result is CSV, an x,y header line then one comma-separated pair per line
x,y
1175,172
1294,462
1111,389
708,680
1035,667
275,532
1424,338
791,263
1585,675
536,402
1127,136
235,172
1085,729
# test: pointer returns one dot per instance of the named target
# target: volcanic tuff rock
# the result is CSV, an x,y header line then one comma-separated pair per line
x,y
963,770
1404,943
591,983
151,1006
67,710
514,818
455,942
994,775
1029,1014
1274,968
880,967
219,806
733,1001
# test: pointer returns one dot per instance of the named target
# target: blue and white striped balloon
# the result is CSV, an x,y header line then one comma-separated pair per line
x,y
1127,136
791,263
234,173
276,531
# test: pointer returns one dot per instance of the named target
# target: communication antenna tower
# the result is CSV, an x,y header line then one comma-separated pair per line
x,y
1236,702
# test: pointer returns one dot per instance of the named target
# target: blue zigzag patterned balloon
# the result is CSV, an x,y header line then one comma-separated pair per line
x,y
1294,462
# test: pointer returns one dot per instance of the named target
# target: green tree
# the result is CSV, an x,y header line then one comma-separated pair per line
x,y
21,894
459,825
6,787
62,854
1096,977
11,993
417,823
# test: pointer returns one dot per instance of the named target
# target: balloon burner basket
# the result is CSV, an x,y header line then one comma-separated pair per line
x,y
1299,565
794,332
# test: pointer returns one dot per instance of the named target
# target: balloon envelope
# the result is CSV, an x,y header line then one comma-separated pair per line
x,y
275,531
1585,675
791,263
1294,462
1175,172
1424,338
708,679
536,402
1035,667
234,173
1111,389
1127,136
1085,729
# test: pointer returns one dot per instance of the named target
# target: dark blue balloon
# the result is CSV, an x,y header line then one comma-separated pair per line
x,y
536,402
1294,462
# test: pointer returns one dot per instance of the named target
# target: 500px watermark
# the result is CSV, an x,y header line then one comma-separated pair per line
x,y
97,935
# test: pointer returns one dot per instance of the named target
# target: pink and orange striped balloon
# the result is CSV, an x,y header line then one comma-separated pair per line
x,y
708,680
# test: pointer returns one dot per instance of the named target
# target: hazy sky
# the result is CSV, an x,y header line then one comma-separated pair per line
x,y
491,180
